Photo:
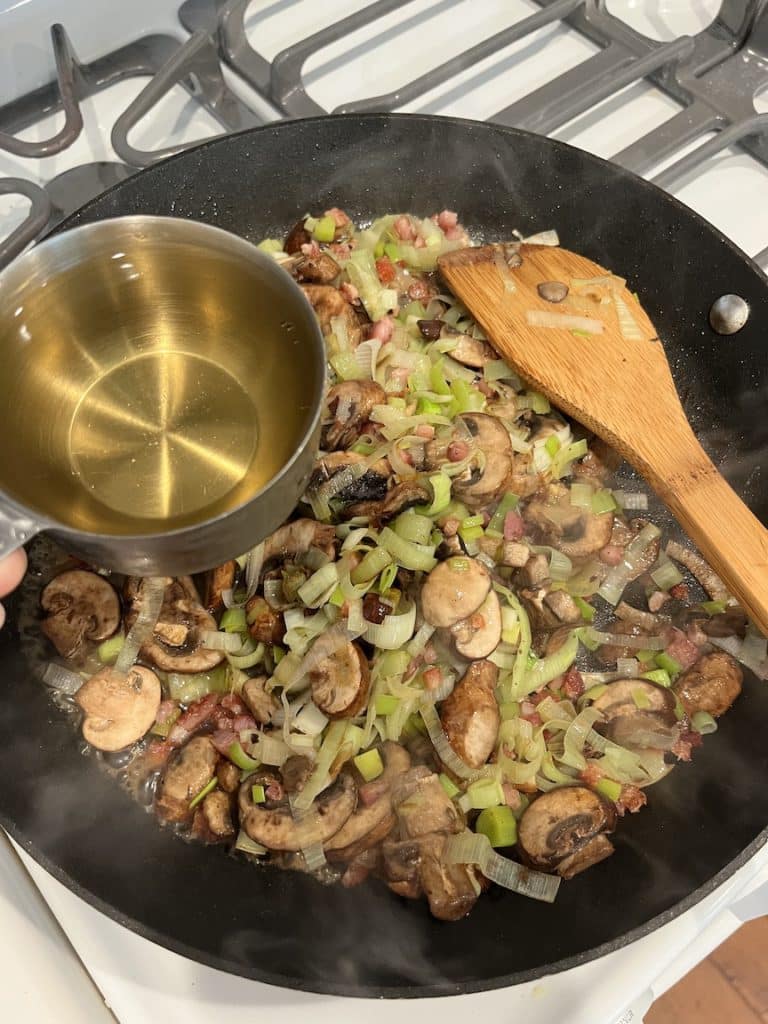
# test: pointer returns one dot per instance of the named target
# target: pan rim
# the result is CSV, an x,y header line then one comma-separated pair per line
x,y
434,989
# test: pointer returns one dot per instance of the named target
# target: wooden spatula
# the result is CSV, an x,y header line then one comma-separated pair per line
x,y
618,384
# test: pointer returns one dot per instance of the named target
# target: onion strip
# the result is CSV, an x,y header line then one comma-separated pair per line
x,y
472,848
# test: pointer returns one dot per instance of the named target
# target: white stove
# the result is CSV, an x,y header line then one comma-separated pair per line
x,y
650,96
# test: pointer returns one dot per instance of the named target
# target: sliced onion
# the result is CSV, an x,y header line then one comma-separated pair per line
x,y
314,856
316,591
702,572
213,640
627,667
310,720
273,595
394,632
445,751
228,598
616,580
367,354
632,501
253,569
249,654
471,848
550,237
564,321
271,750
61,679
746,654
503,269
578,732
421,639
152,594
640,643
628,326
320,777
245,844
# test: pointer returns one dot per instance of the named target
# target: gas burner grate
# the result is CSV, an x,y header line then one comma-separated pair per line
x,y
713,75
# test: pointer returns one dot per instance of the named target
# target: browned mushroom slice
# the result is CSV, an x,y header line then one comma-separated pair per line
x,y
329,303
319,269
469,351
400,862
340,677
609,654
264,623
176,644
454,590
119,707
479,635
350,405
258,700
402,496
81,606
374,818
486,478
711,685
422,805
564,830
216,582
272,823
217,811
470,716
228,775
638,714
296,237
367,487
296,538
575,531
187,774
448,887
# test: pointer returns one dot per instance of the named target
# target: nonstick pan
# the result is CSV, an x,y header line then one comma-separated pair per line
x,y
703,821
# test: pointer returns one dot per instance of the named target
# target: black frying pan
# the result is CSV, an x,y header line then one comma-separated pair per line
x,y
702,822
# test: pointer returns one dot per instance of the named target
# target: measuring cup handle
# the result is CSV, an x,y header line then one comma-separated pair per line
x,y
16,527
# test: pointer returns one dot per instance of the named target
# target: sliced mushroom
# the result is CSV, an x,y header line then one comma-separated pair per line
x,y
272,823
350,405
265,625
319,269
564,830
469,351
486,478
480,634
638,714
329,303
451,889
609,654
340,677
400,866
453,591
470,715
217,811
373,820
258,700
575,531
228,775
402,496
712,684
370,486
297,236
187,774
81,606
119,707
217,581
549,610
297,538
422,805
176,644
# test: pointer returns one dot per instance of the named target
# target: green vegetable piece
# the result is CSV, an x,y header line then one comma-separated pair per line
x,y
714,607
258,795
386,704
645,656
609,789
704,723
586,609
234,621
499,824
484,793
448,785
109,650
659,676
641,699
595,691
163,728
580,334
207,788
270,245
393,251
672,667
508,503
386,579
324,229
552,446
426,407
509,709
603,501
369,765
238,756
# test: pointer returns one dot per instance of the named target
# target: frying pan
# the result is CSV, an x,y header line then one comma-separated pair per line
x,y
702,822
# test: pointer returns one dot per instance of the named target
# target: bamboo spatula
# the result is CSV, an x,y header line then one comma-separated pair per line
x,y
621,389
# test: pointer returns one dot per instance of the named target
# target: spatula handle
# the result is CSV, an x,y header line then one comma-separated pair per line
x,y
729,536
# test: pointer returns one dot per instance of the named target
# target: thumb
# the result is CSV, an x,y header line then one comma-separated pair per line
x,y
12,569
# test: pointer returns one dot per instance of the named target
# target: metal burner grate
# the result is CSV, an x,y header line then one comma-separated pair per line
x,y
713,75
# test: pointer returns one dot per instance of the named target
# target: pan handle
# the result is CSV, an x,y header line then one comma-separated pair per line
x,y
16,527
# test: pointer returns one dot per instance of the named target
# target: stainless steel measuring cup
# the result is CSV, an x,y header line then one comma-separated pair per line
x,y
161,386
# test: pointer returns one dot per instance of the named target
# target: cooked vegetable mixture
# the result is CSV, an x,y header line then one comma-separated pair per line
x,y
464,658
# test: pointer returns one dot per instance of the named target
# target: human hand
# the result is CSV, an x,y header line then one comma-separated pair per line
x,y
12,569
